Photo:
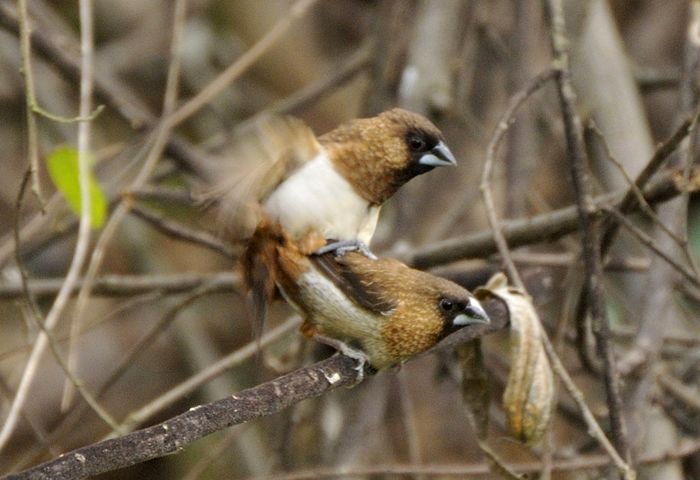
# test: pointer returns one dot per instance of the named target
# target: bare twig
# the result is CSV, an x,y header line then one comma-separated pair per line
x,y
658,312
181,390
108,88
680,390
32,130
657,161
548,226
228,362
356,63
650,79
261,400
581,463
34,312
160,140
650,243
129,285
82,245
633,188
241,65
181,232
506,120
171,435
576,153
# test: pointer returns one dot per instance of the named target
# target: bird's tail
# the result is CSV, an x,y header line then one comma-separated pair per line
x,y
259,266
272,262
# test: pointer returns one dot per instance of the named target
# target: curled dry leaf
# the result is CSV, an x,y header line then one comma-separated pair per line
x,y
529,392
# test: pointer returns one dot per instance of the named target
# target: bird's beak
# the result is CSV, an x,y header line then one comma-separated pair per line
x,y
438,156
473,313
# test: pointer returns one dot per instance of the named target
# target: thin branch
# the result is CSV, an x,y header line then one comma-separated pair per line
x,y
545,227
651,244
590,232
651,79
76,412
633,188
340,74
181,232
39,221
569,259
581,463
241,65
172,435
588,417
30,100
160,138
221,366
81,248
507,119
657,161
610,227
262,400
57,50
128,285
156,330
679,389
34,312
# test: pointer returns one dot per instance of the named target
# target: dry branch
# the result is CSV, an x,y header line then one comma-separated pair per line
x,y
259,401
545,227
590,227
129,285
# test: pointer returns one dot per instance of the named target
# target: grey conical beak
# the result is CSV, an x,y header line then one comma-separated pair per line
x,y
473,314
438,156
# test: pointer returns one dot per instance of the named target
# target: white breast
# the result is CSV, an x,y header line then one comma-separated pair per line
x,y
333,312
318,198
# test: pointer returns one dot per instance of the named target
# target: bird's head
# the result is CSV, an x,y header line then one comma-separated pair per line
x,y
461,310
380,154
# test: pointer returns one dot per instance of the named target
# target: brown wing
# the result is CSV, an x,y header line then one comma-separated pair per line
x,y
349,279
265,153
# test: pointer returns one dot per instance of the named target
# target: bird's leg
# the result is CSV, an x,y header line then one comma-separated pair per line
x,y
359,356
342,247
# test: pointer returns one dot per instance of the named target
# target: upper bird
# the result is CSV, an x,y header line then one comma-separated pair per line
x,y
334,184
381,306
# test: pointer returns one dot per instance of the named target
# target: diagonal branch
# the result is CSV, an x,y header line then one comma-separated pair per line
x,y
506,120
590,229
259,401
82,245
545,227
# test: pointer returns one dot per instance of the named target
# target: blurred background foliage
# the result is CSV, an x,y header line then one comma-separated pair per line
x,y
455,61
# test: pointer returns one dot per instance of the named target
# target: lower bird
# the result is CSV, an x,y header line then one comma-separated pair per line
x,y
375,310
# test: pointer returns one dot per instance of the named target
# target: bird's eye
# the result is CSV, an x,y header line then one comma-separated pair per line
x,y
416,143
446,305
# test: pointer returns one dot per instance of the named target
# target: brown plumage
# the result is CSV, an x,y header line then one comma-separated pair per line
x,y
386,309
333,185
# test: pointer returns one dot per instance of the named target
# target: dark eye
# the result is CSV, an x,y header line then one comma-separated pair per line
x,y
416,143
446,305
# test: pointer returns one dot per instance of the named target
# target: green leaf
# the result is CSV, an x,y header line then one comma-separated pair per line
x,y
62,164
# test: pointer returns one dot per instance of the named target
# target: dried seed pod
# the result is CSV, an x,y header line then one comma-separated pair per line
x,y
529,392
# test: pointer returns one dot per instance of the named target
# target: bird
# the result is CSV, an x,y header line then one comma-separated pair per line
x,y
376,310
334,184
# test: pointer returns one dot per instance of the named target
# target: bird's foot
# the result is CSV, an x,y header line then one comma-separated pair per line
x,y
342,247
358,355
